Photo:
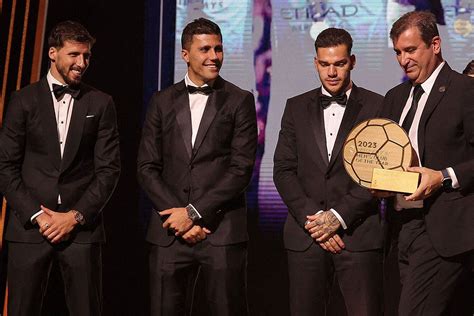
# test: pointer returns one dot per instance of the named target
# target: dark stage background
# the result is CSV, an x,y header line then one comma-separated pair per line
x,y
117,69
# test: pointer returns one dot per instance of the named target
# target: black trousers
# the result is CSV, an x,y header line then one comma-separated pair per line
x,y
222,268
29,266
312,272
428,280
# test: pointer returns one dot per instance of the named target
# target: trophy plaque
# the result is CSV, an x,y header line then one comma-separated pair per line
x,y
377,153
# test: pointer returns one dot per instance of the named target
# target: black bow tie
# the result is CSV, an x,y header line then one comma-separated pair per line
x,y
60,90
203,90
326,100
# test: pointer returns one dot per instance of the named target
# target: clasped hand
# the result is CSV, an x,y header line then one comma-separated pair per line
x,y
179,222
322,227
55,226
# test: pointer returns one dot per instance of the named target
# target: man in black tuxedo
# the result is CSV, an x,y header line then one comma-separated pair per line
x,y
195,160
436,108
344,236
59,164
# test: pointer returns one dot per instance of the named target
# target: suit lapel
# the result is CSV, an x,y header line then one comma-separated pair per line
x,y
76,127
400,102
438,91
350,115
317,124
48,119
183,115
215,101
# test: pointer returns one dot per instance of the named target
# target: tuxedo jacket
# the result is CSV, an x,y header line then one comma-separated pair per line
x,y
445,139
32,172
308,182
213,174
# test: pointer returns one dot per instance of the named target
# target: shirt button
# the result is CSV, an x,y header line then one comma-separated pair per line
x,y
64,102
333,114
62,122
330,134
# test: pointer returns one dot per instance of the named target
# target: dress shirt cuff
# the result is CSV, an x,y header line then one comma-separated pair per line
x,y
454,179
339,217
195,210
35,215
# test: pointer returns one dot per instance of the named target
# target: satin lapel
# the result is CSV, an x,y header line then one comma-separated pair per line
x,y
48,120
353,107
317,124
215,101
437,93
183,115
76,126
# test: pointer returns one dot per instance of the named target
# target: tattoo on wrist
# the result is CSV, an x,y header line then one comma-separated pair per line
x,y
328,222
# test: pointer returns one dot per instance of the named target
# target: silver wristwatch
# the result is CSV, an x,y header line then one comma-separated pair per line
x,y
192,214
79,217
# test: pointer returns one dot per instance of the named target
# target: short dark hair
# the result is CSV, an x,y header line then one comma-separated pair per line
x,y
69,31
196,27
424,21
469,70
332,37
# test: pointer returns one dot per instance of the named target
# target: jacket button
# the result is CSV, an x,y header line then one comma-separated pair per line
x,y
186,190
327,176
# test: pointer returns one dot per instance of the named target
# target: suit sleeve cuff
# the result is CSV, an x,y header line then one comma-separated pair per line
x,y
343,224
454,179
35,215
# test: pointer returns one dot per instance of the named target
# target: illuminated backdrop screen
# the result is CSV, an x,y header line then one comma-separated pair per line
x,y
269,50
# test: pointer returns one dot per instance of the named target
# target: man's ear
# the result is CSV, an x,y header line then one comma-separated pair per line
x,y
185,55
315,62
436,42
52,53
353,61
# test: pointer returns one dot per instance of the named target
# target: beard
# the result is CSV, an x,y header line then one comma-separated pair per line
x,y
69,77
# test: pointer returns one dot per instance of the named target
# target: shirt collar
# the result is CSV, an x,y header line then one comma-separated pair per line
x,y
52,80
429,83
189,82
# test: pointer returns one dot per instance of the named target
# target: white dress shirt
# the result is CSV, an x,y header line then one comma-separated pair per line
x,y
197,105
333,115
63,112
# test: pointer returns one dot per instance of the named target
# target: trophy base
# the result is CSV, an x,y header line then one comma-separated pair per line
x,y
394,181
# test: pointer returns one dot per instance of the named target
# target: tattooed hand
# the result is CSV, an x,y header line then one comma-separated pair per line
x,y
322,225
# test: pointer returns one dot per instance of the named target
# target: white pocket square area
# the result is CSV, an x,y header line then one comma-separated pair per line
x,y
89,116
